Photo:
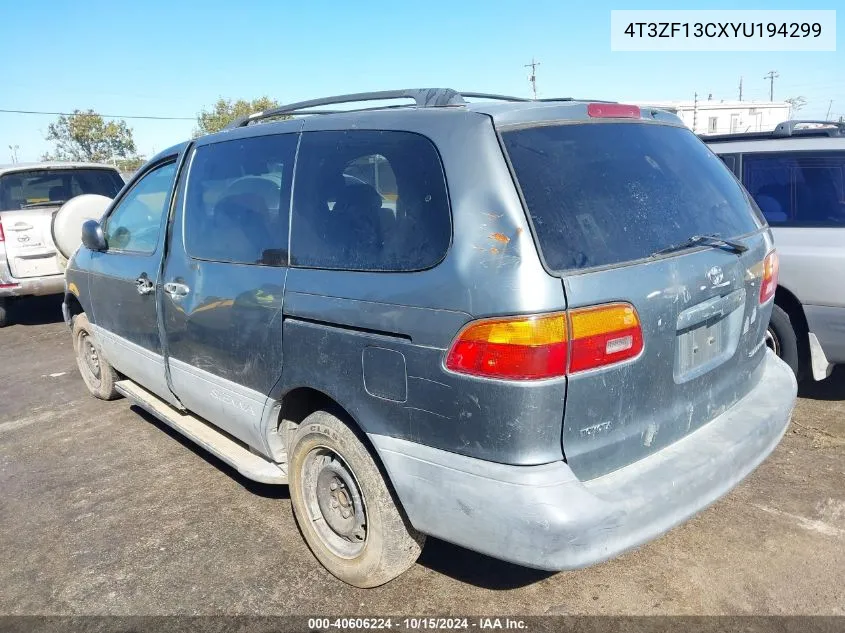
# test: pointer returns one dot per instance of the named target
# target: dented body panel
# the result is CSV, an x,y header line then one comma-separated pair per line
x,y
235,341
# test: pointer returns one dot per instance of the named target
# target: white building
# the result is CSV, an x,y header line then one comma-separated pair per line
x,y
725,117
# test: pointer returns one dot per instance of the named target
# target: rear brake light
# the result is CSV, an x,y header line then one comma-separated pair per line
x,y
2,236
603,335
769,283
537,347
9,285
612,111
520,348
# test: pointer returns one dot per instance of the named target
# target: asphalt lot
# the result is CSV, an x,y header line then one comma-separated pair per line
x,y
103,510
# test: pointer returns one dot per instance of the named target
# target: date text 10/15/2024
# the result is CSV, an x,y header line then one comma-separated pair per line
x,y
416,624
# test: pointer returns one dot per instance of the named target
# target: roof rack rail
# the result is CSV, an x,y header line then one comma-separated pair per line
x,y
787,128
423,98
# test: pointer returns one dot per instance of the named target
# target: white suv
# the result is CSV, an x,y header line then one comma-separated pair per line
x,y
796,174
30,196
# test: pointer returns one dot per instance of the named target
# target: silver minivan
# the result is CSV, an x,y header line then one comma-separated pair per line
x,y
30,196
796,174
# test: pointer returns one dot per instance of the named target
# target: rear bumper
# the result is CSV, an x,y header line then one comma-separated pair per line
x,y
32,286
46,285
545,517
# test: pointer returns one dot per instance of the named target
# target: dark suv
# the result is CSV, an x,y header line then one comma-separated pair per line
x,y
535,329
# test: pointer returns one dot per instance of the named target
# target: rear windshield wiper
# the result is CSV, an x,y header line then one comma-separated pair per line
x,y
704,240
45,203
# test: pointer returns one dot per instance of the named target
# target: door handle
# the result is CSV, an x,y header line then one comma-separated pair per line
x,y
144,285
176,289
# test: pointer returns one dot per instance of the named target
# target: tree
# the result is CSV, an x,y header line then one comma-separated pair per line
x,y
85,136
224,111
796,103
131,164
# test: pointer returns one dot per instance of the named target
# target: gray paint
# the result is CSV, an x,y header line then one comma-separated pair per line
x,y
547,517
376,342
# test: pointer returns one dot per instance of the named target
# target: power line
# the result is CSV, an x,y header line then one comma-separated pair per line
x,y
771,76
105,116
533,76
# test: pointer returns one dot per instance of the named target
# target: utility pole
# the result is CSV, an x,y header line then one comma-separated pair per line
x,y
740,88
694,112
771,76
533,76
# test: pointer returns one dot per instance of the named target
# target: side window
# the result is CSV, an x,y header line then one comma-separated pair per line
x,y
369,200
730,160
798,188
135,223
237,200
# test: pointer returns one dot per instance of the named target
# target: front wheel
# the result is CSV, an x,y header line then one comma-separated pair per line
x,y
344,508
99,376
781,338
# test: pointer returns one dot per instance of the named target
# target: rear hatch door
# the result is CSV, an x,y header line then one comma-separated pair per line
x,y
613,206
29,243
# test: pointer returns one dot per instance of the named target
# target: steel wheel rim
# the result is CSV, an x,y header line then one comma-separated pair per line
x,y
334,502
772,341
89,354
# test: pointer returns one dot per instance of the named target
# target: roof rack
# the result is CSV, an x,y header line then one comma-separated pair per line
x,y
786,129
423,98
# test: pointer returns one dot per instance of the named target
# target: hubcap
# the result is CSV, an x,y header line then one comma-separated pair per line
x,y
89,354
334,502
772,341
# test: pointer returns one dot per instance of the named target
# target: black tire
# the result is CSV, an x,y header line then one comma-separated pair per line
x,y
332,472
781,338
4,312
97,373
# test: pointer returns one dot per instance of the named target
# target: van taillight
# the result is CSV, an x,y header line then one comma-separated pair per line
x,y
612,111
2,236
769,283
548,345
603,335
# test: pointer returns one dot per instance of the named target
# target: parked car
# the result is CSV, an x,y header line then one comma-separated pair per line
x,y
796,174
533,346
31,195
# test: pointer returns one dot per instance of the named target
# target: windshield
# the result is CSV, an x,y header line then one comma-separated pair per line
x,y
42,187
606,193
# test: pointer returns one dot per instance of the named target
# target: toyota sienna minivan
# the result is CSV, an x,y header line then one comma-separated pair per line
x,y
531,328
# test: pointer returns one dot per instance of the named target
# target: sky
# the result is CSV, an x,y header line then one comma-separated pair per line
x,y
171,58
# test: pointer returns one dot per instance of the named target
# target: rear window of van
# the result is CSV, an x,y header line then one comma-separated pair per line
x,y
607,193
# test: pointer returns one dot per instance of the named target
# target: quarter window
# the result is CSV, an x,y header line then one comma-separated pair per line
x,y
237,200
798,188
134,225
369,200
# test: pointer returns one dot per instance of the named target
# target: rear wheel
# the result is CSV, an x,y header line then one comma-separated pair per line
x,y
344,509
4,312
782,340
99,376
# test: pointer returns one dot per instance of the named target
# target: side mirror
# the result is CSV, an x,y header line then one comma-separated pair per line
x,y
92,236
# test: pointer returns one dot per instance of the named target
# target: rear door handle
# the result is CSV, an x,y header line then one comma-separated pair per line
x,y
144,285
176,289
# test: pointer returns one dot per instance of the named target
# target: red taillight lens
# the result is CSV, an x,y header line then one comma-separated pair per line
x,y
603,335
519,348
537,347
612,111
769,282
2,236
